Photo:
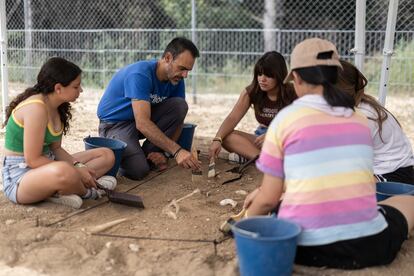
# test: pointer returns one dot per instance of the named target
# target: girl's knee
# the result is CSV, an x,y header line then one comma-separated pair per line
x,y
108,156
230,137
63,173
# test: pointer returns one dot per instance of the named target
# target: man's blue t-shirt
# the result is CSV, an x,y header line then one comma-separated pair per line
x,y
137,81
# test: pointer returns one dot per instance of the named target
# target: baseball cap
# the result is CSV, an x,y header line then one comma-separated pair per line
x,y
313,52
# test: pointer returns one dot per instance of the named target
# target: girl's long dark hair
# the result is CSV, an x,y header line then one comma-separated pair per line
x,y
353,82
327,77
273,65
55,70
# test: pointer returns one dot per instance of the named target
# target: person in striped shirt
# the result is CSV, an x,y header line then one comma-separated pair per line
x,y
320,151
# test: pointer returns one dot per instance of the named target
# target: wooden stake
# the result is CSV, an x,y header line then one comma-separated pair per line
x,y
104,226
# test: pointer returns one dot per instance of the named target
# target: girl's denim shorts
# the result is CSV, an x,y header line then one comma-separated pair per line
x,y
14,168
260,130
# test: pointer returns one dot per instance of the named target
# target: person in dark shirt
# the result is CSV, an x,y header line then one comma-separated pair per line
x,y
267,95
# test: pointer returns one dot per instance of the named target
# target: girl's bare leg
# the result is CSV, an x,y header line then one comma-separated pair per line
x,y
100,159
43,182
241,143
404,204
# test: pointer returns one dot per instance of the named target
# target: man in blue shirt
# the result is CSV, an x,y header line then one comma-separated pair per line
x,y
146,99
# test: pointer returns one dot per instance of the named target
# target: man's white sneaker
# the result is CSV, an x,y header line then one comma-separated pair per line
x,y
73,201
107,181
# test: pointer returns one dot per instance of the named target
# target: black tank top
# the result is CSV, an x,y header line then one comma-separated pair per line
x,y
267,113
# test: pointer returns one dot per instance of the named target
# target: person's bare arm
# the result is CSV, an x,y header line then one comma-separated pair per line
x,y
142,114
266,198
236,114
60,153
231,121
86,173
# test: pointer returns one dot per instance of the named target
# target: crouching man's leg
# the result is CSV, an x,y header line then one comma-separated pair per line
x,y
134,164
169,117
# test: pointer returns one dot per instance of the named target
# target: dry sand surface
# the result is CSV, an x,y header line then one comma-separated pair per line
x,y
48,239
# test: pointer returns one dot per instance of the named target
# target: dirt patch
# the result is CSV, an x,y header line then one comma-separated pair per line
x,y
48,239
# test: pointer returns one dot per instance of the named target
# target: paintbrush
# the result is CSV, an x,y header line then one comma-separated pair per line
x,y
196,175
211,168
225,227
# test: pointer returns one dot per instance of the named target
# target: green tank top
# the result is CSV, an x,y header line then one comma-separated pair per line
x,y
15,132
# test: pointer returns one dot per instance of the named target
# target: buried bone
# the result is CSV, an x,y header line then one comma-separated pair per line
x,y
241,192
171,210
228,201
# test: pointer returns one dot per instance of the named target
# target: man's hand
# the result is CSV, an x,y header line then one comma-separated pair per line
x,y
158,159
187,160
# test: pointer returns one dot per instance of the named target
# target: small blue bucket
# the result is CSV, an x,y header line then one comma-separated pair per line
x,y
117,146
186,138
388,189
266,246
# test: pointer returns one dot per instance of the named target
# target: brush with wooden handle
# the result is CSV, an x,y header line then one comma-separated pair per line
x,y
196,175
211,168
225,227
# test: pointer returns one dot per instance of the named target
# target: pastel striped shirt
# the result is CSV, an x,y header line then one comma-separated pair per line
x,y
326,161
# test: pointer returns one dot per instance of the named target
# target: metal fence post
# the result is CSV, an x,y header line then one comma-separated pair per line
x,y
103,49
194,39
388,49
279,41
3,48
359,49
28,26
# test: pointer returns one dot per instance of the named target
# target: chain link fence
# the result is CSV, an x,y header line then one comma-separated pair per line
x,y
104,35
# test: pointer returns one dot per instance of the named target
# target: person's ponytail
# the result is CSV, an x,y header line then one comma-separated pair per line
x,y
336,97
327,76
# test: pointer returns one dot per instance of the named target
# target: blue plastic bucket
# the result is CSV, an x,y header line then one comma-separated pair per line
x,y
117,146
388,189
266,245
186,138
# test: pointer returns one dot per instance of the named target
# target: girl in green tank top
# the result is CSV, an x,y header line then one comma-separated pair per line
x,y
35,122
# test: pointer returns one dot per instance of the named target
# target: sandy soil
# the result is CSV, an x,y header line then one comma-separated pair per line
x,y
48,239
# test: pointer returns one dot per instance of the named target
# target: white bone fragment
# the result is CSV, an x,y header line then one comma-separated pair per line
x,y
228,201
241,192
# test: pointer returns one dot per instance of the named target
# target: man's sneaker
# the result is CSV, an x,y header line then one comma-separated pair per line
x,y
73,201
235,157
107,181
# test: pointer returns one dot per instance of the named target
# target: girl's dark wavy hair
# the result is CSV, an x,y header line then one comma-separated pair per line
x,y
273,65
55,70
